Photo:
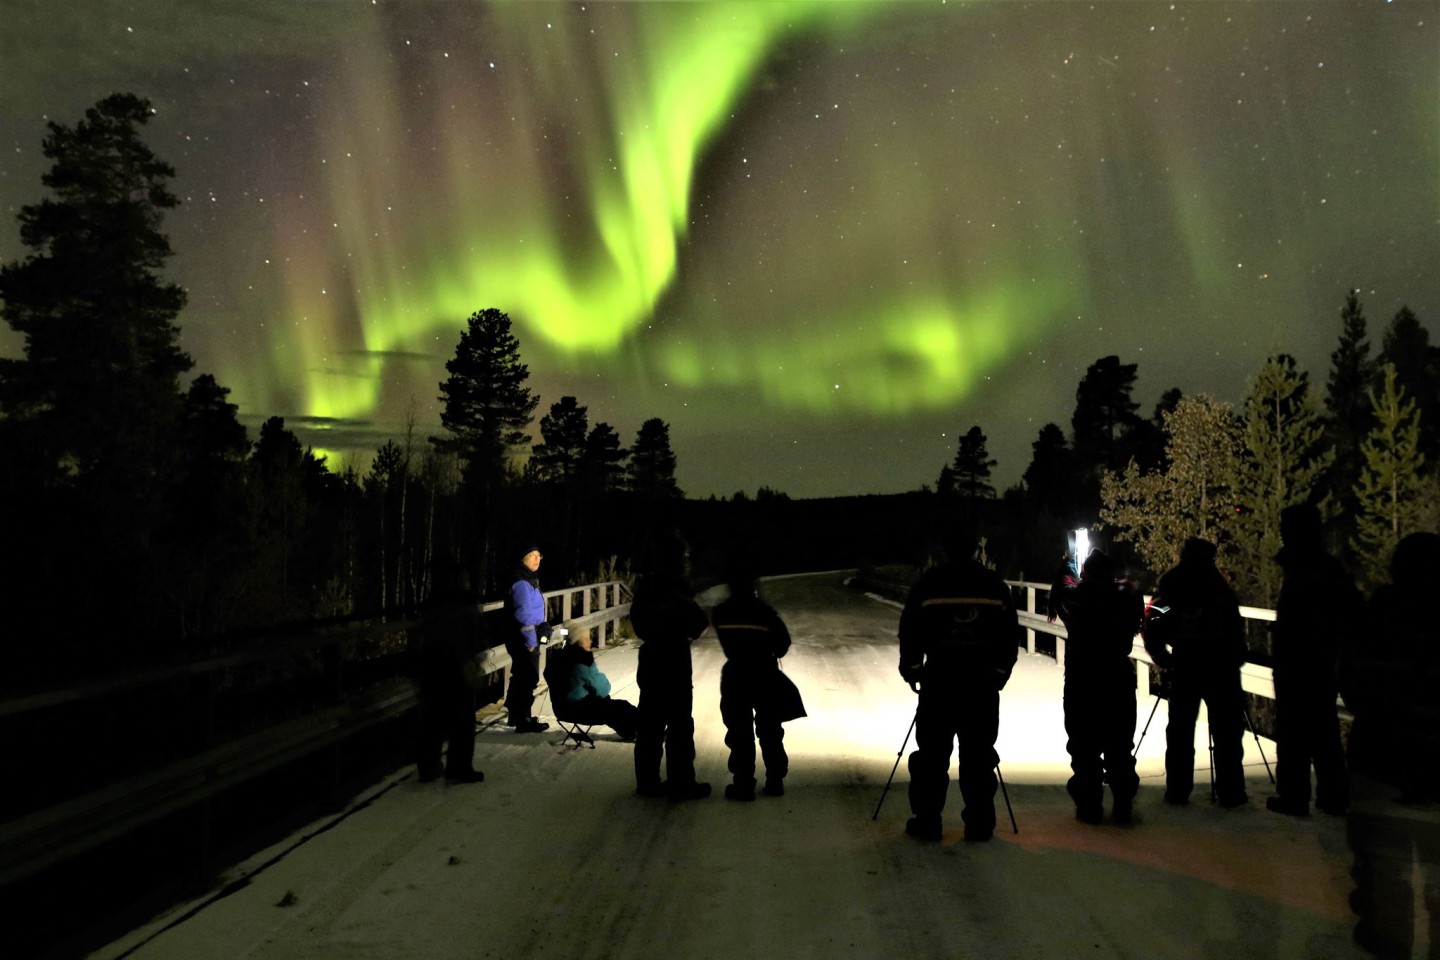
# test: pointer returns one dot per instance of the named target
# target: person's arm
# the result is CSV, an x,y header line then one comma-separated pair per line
x,y
599,684
1011,634
912,647
779,635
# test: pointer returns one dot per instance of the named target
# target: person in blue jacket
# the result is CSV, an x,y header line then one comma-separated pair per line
x,y
582,692
528,628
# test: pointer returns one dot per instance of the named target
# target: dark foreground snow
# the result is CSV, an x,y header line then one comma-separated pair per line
x,y
554,856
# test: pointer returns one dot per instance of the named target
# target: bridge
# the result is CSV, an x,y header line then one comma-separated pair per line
x,y
554,855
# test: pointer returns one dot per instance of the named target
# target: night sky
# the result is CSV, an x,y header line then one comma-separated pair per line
x,y
820,240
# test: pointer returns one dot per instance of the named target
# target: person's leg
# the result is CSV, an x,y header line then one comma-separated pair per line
x,y
1225,704
620,716
979,725
737,713
429,732
930,765
1118,742
772,748
1292,747
679,735
1332,781
460,733
1180,738
649,738
1082,726
524,675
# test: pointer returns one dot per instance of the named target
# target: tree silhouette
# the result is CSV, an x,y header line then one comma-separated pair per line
x,y
487,407
651,474
563,430
1352,372
1406,347
1104,416
486,403
91,411
1391,489
1285,461
602,469
972,466
1050,475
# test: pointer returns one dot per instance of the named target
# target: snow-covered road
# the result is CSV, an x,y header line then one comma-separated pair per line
x,y
554,856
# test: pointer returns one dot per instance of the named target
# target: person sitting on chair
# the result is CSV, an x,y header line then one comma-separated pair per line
x,y
583,692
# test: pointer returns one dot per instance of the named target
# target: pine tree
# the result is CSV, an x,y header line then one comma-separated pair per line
x,y
486,403
602,469
1285,461
1193,496
972,466
1050,474
1406,346
1104,416
99,381
1352,373
651,473
1392,493
563,431
91,409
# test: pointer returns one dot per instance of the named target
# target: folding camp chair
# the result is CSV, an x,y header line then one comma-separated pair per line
x,y
557,670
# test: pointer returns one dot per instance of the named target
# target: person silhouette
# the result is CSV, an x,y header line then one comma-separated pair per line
x,y
756,698
667,620
1102,616
1194,633
1317,609
959,640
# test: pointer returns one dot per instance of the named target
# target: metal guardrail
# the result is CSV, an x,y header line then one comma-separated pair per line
x,y
31,843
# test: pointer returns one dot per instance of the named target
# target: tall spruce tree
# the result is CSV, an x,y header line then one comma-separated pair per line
x,y
487,405
602,464
972,466
1284,464
651,473
1349,414
1104,418
1392,491
90,412
1406,346
563,431
1049,476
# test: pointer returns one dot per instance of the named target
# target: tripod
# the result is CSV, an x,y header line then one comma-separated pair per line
x,y
998,776
1249,725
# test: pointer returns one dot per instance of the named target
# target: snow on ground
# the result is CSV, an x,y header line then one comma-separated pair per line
x,y
553,856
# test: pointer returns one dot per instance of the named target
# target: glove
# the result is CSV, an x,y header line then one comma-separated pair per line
x,y
542,632
912,673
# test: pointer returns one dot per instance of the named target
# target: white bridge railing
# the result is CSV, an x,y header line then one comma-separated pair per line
x,y
1254,678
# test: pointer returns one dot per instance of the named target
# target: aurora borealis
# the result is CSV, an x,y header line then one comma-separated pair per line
x,y
820,240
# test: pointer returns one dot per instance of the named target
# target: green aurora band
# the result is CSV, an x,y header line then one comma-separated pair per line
x,y
562,193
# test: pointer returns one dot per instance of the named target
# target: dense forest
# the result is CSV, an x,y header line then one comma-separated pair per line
x,y
143,522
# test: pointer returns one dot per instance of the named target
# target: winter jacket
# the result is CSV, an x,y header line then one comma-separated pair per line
x,y
1101,618
751,632
959,626
1317,610
1194,621
666,618
754,639
525,605
585,679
